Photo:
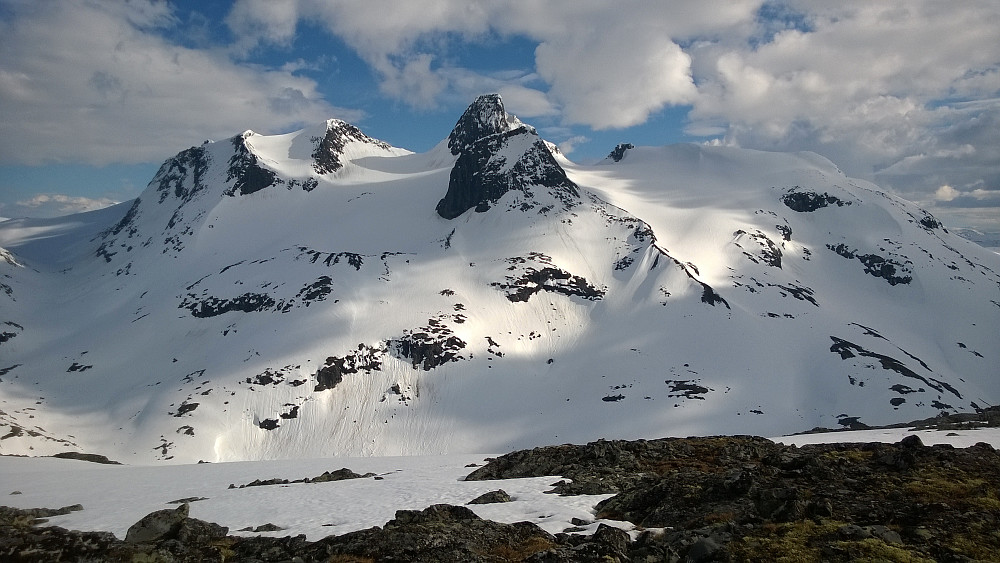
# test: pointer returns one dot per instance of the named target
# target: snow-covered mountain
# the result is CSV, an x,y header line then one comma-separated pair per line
x,y
323,293
987,240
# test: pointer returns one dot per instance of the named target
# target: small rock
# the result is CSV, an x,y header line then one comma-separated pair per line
x,y
703,549
269,527
193,531
339,475
491,497
94,458
615,538
187,499
854,532
433,513
885,534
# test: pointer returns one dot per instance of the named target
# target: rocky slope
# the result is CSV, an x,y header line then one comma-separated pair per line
x,y
692,499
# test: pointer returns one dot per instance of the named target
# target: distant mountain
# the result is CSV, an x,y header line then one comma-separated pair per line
x,y
324,293
987,240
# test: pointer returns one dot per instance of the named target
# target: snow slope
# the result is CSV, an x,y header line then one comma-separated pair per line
x,y
322,293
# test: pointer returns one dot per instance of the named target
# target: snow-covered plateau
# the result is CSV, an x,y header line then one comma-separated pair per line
x,y
323,294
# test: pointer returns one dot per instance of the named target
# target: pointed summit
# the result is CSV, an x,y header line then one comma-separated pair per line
x,y
498,154
328,155
486,116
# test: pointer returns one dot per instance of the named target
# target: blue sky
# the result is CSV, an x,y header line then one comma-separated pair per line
x,y
903,93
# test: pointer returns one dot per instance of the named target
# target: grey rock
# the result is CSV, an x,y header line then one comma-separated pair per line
x,y
885,534
491,497
703,549
615,538
157,525
854,532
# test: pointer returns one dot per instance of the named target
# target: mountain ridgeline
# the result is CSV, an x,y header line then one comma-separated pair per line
x,y
324,293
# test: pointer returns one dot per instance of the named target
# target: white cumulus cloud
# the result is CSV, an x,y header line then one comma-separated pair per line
x,y
96,82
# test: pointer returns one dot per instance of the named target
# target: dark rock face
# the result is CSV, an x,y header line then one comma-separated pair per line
x,y
879,266
618,153
808,201
214,306
497,154
930,222
329,149
536,272
430,346
246,170
181,176
127,222
365,358
767,253
848,350
485,117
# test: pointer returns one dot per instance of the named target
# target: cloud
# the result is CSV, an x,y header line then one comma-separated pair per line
x,y
96,82
641,71
606,65
54,205
946,193
569,145
872,75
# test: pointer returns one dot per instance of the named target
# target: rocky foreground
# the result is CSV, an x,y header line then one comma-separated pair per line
x,y
691,499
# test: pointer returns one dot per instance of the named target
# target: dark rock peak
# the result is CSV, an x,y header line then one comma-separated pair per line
x,y
619,151
497,154
485,117
245,171
481,176
182,175
329,148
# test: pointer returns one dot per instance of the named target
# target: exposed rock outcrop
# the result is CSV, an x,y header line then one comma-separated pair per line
x,y
497,154
693,499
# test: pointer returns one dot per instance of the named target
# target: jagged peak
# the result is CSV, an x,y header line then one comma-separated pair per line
x,y
484,117
618,153
330,147
497,153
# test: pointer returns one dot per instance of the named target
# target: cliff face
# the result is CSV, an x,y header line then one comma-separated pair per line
x,y
497,154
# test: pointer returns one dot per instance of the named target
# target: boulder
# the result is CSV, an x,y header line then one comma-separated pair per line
x,y
491,497
158,525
